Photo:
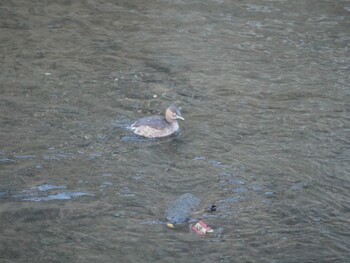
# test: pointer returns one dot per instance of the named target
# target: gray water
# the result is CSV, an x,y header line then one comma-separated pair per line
x,y
263,86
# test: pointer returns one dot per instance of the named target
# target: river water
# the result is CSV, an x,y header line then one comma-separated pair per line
x,y
263,86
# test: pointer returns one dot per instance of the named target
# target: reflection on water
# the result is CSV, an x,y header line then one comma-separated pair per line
x,y
58,196
264,88
40,193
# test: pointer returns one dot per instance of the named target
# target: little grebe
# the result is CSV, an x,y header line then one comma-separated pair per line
x,y
158,126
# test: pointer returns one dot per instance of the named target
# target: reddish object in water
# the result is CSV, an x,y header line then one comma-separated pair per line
x,y
201,228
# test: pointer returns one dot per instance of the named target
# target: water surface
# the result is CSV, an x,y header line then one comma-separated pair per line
x,y
263,86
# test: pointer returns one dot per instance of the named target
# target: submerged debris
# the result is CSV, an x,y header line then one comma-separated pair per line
x,y
201,228
181,210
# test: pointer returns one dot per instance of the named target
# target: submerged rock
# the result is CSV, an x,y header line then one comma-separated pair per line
x,y
182,209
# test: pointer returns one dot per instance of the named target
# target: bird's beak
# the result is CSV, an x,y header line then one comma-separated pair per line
x,y
180,117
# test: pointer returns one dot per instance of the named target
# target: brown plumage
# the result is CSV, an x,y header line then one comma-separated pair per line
x,y
158,126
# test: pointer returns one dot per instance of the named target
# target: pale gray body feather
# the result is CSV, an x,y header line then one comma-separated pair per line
x,y
154,126
155,122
